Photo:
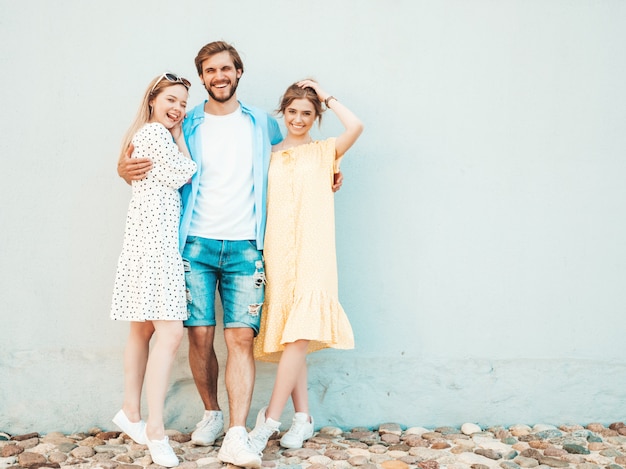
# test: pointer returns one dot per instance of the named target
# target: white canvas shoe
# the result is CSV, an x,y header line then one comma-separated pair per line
x,y
236,449
262,431
301,430
161,452
209,429
135,430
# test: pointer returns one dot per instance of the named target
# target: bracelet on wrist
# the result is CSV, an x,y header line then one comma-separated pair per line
x,y
327,100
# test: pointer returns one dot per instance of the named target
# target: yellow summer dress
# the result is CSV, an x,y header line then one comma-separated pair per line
x,y
301,296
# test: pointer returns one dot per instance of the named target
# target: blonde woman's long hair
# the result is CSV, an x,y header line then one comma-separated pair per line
x,y
144,113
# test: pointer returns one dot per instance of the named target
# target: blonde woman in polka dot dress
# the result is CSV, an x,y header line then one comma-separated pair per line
x,y
301,313
150,284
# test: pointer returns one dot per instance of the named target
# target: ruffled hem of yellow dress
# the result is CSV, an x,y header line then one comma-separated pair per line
x,y
316,317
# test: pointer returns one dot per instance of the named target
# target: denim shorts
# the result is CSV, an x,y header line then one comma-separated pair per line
x,y
236,270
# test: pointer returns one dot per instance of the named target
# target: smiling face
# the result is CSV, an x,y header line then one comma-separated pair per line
x,y
299,117
168,107
220,77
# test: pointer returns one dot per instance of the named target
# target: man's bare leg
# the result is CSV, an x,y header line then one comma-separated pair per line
x,y
205,369
203,364
240,373
236,447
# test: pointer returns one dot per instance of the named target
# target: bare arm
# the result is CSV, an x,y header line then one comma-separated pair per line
x,y
351,123
132,169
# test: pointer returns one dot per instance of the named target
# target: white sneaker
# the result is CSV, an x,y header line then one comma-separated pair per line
x,y
236,449
135,430
209,429
301,429
161,452
262,431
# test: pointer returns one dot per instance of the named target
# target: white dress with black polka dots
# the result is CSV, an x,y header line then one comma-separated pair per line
x,y
150,281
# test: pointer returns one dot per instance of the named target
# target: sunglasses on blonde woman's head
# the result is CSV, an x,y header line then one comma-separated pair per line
x,y
172,78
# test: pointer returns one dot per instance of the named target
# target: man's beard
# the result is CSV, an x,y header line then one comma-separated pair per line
x,y
233,89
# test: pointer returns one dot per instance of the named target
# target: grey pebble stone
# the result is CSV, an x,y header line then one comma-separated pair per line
x,y
488,453
410,460
115,449
336,454
479,466
358,460
125,459
611,453
366,466
185,465
104,456
524,461
392,428
320,460
66,447
448,430
57,457
29,443
541,427
575,449
302,453
331,431
28,459
549,434
378,449
554,451
83,452
380,458
553,462
91,441
509,465
292,461
390,438
573,458
588,465
532,453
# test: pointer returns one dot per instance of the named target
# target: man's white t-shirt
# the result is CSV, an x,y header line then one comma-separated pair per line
x,y
224,208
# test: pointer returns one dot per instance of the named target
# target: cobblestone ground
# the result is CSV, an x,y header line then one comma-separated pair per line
x,y
387,447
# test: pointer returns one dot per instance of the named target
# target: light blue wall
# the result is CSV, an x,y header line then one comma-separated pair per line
x,y
480,228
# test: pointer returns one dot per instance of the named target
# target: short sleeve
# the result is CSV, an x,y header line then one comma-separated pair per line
x,y
329,153
274,130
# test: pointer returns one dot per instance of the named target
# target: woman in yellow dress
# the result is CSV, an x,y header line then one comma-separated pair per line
x,y
301,313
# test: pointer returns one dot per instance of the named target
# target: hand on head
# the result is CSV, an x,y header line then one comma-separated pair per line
x,y
315,86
